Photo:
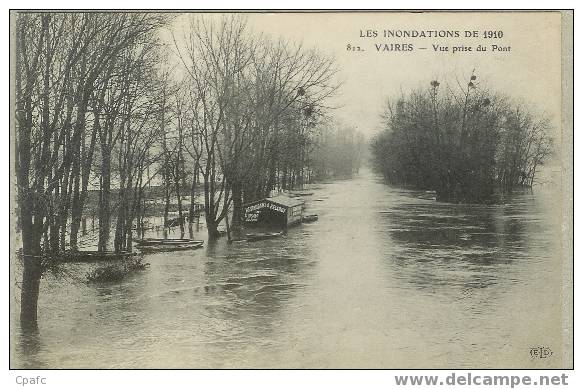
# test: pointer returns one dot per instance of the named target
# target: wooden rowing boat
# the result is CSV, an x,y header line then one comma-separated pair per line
x,y
309,218
254,237
300,194
91,256
171,247
168,241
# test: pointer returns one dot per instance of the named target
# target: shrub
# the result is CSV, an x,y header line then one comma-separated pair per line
x,y
116,272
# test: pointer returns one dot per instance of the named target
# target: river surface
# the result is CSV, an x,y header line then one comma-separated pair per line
x,y
386,278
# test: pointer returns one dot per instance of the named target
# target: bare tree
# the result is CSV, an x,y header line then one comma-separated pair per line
x,y
61,61
248,92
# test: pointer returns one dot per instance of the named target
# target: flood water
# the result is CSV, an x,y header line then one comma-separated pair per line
x,y
386,278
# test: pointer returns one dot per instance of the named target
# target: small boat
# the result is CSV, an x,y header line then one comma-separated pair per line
x,y
171,247
254,237
91,256
238,240
309,218
301,194
167,241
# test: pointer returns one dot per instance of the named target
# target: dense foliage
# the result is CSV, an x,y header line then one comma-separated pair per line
x,y
464,142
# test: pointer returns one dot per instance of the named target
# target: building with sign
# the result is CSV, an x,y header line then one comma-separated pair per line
x,y
279,211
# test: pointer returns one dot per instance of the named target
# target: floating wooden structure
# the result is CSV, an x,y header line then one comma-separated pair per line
x,y
156,241
91,256
300,194
309,218
169,244
279,211
171,247
254,237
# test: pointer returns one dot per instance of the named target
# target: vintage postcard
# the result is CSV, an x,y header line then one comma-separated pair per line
x,y
298,189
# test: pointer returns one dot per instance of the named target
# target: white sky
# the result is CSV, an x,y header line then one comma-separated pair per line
x,y
529,72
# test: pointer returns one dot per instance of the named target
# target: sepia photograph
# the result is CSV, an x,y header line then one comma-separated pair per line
x,y
299,189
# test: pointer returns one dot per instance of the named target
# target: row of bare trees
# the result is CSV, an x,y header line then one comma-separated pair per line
x,y
81,87
100,104
250,109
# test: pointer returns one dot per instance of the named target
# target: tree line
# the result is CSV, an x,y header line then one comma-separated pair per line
x,y
461,140
81,100
99,103
251,108
339,151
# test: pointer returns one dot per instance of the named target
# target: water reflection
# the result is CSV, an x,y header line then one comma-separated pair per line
x,y
468,246
385,278
30,344
257,279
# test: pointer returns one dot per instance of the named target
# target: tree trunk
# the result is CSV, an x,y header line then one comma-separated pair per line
x,y
166,200
75,206
119,240
179,200
32,271
54,226
31,275
212,227
228,227
86,158
237,205
104,201
192,195
209,207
